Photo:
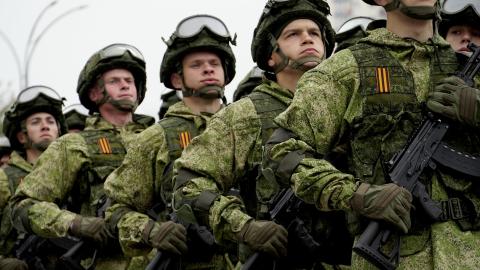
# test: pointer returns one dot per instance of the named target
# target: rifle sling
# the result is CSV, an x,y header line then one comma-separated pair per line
x,y
454,209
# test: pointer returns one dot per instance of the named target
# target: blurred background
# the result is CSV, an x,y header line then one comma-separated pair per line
x,y
48,42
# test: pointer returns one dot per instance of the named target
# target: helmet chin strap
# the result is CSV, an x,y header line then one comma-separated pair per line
x,y
298,64
122,105
211,91
415,12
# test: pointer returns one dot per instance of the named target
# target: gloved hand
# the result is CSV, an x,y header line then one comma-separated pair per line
x,y
93,228
12,264
387,202
265,236
454,99
167,236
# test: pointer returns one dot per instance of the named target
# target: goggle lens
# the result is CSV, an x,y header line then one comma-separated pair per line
x,y
455,6
119,49
193,25
33,92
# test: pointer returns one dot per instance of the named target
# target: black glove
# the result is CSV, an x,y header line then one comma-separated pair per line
x,y
387,202
265,236
454,99
93,228
166,236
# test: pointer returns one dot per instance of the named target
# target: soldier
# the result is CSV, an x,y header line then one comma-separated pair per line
x,y
63,195
5,150
143,184
34,121
168,99
370,97
290,38
75,116
460,23
354,29
247,84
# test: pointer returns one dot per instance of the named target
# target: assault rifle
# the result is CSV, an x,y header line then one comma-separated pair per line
x,y
200,242
284,212
425,149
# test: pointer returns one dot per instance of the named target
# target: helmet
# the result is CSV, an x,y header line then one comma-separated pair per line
x,y
457,12
277,14
246,86
75,116
354,29
168,99
416,12
116,55
198,32
31,100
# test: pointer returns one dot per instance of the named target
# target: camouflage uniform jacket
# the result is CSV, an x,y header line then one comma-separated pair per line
x,y
220,157
10,177
330,105
19,167
137,182
57,173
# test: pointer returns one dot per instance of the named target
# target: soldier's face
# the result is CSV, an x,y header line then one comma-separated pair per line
x,y
41,130
300,38
120,84
460,35
200,69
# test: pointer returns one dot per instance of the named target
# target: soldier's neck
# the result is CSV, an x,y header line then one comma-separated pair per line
x,y
199,105
288,78
32,155
115,116
406,27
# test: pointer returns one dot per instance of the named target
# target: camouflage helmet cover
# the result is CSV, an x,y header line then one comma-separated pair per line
x,y
205,37
277,14
116,55
75,116
248,83
32,100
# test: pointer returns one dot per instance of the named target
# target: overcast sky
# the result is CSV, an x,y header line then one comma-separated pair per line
x,y
66,45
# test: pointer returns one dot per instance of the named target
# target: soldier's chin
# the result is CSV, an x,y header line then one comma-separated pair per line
x,y
310,65
42,145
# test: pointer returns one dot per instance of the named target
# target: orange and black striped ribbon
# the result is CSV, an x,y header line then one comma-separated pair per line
x,y
185,139
383,80
104,146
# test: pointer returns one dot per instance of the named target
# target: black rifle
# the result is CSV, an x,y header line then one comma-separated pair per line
x,y
424,149
200,242
34,249
81,249
284,212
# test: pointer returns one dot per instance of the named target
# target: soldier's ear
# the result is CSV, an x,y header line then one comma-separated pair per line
x,y
382,2
22,137
176,80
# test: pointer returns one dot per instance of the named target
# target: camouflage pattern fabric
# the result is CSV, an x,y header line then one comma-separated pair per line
x,y
327,103
53,177
230,147
133,184
20,164
17,167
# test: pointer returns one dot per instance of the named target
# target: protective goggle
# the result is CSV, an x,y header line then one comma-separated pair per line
x,y
33,92
76,107
457,6
193,25
361,22
119,49
321,5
